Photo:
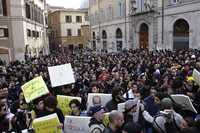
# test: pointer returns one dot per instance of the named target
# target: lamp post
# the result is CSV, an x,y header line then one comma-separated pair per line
x,y
162,24
125,25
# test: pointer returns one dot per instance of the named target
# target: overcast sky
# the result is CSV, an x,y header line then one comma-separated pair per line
x,y
65,3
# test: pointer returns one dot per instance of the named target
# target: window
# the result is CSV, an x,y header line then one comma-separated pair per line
x,y
175,1
33,33
28,32
3,8
69,32
37,34
3,32
79,19
28,11
79,32
68,19
120,9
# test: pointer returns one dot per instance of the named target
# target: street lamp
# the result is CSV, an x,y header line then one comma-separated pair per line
x,y
162,24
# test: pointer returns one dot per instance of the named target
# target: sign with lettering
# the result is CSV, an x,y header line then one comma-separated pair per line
x,y
63,103
34,89
77,124
47,124
61,75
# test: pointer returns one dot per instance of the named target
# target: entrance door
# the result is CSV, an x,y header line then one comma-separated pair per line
x,y
181,35
144,36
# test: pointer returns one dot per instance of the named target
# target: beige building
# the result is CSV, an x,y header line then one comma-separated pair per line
x,y
69,28
22,29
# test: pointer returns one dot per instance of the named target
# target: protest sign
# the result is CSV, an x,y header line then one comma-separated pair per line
x,y
184,101
106,120
47,124
61,75
76,124
63,103
34,89
104,99
196,76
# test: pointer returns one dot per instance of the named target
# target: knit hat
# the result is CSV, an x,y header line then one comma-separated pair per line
x,y
94,109
131,104
167,103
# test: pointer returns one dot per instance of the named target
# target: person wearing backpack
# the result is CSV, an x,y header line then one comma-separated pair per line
x,y
96,125
168,121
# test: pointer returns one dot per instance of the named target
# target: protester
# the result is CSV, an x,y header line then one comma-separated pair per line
x,y
96,122
168,121
130,108
50,107
116,119
117,97
149,76
75,106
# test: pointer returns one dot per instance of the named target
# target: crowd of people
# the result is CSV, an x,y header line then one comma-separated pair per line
x,y
143,80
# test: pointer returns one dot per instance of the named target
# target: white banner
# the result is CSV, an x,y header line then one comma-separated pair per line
x,y
76,124
61,75
184,101
104,99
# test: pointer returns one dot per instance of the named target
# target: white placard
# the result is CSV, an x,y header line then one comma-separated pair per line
x,y
104,98
121,107
61,75
76,124
196,76
184,101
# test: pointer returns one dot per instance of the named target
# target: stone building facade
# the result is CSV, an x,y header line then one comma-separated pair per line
x,y
69,29
23,29
146,25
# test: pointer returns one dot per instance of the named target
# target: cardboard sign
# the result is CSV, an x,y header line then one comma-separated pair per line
x,y
196,76
47,124
184,101
34,89
63,103
104,99
61,75
77,124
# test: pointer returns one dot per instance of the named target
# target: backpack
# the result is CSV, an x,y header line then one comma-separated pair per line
x,y
170,127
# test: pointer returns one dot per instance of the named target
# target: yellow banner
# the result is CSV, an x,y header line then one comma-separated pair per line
x,y
34,89
63,103
47,124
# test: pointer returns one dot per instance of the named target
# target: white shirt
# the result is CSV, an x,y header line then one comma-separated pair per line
x,y
130,95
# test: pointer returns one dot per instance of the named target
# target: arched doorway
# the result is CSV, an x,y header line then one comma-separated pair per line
x,y
144,36
104,38
94,41
181,35
4,54
119,41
